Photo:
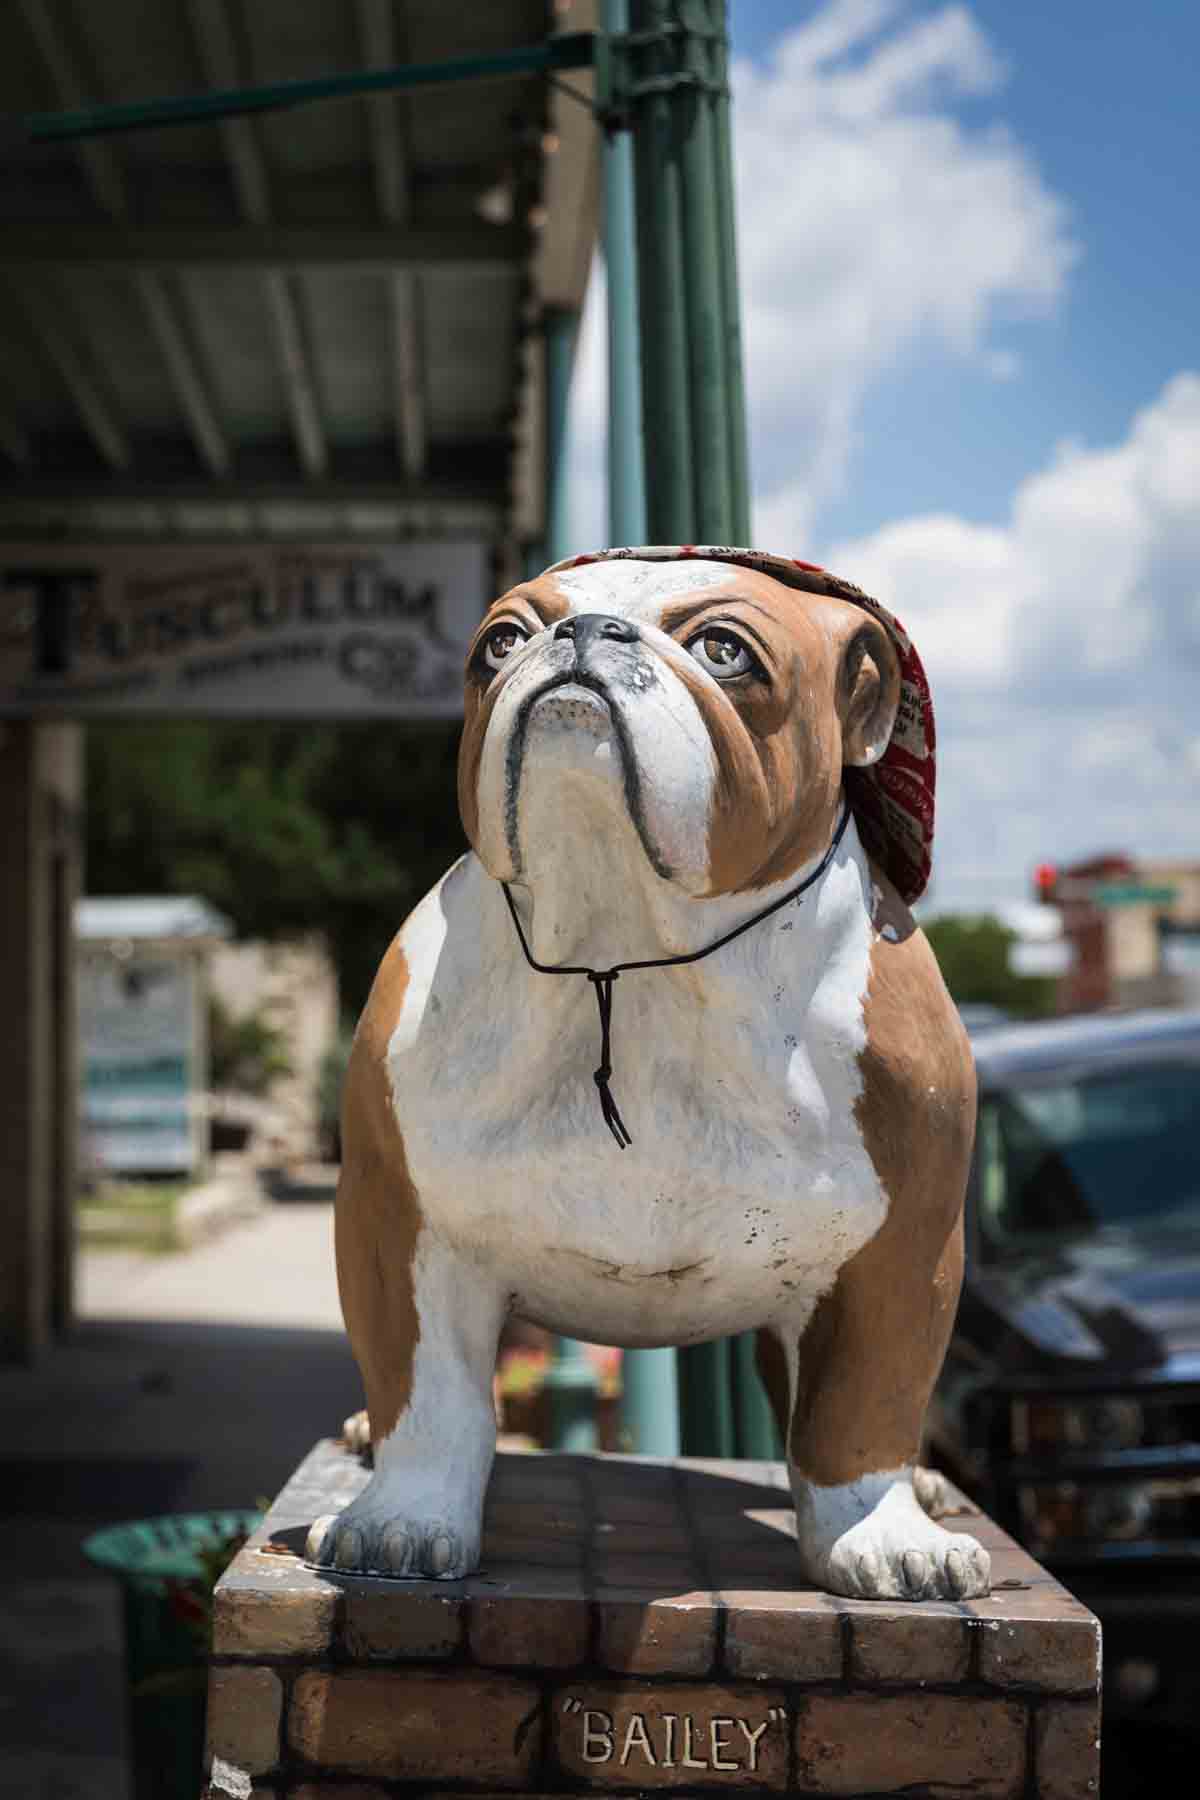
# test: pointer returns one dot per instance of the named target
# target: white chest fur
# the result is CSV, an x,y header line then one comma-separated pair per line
x,y
747,1185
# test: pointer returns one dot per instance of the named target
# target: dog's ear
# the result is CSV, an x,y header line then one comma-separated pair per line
x,y
869,693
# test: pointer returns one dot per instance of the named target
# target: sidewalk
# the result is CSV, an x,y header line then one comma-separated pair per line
x,y
193,1380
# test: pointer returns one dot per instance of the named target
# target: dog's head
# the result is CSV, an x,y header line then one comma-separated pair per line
x,y
716,706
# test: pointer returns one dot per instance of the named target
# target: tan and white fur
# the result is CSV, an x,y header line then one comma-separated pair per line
x,y
652,753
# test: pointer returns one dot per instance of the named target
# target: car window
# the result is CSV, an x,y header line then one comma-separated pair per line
x,y
1117,1149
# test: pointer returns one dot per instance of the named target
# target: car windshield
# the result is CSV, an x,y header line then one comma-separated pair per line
x,y
1072,1157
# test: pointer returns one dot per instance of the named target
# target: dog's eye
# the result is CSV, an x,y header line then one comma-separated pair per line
x,y
723,654
501,641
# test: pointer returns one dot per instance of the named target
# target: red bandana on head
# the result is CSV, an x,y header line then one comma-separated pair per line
x,y
892,801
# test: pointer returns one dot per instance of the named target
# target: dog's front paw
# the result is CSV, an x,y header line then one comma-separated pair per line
x,y
868,1564
873,1540
363,1541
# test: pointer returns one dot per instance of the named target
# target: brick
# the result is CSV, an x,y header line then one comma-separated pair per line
x,y
620,1735
917,1644
401,1624
1067,1750
227,1783
538,1623
541,1521
338,1790
766,1527
940,1745
429,1725
628,1537
279,1621
663,1636
503,1548
651,1574
650,1512
791,1636
1044,1641
532,1479
244,1709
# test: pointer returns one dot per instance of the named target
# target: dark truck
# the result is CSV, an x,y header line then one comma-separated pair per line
x,y
1069,1405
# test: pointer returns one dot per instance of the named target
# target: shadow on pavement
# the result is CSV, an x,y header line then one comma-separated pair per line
x,y
123,1420
309,1182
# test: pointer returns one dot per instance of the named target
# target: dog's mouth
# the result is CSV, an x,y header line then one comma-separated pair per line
x,y
629,775
580,678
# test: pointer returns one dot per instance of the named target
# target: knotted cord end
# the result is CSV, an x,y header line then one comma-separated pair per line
x,y
602,980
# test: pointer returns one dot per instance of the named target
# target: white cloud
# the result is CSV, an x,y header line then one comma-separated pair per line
x,y
870,218
1063,650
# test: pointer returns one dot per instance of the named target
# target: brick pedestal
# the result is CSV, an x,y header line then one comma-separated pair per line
x,y
637,1626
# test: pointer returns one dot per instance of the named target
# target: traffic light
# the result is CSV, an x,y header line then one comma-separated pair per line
x,y
1045,883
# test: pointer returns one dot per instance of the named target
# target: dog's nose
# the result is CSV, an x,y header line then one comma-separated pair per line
x,y
586,626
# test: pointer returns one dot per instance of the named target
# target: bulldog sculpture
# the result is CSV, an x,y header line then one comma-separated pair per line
x,y
698,784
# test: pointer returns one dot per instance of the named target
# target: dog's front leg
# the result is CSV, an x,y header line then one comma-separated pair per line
x,y
424,1320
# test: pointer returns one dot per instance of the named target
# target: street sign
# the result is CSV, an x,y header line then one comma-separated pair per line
x,y
1131,893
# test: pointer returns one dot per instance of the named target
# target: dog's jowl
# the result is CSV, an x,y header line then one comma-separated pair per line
x,y
664,1057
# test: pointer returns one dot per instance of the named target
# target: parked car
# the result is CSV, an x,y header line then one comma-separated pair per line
x,y
982,1015
1069,1405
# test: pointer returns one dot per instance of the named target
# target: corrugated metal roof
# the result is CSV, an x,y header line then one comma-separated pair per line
x,y
146,916
219,328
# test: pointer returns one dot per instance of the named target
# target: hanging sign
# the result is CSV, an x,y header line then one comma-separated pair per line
x,y
137,1032
270,631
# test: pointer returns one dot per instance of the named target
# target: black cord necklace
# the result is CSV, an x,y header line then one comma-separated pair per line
x,y
602,979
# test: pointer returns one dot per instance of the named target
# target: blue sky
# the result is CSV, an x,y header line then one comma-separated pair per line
x,y
970,272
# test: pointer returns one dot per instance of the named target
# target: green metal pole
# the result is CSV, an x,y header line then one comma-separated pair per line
x,y
626,471
706,1399
754,1422
703,292
561,328
570,1377
662,287
649,1378
670,78
731,312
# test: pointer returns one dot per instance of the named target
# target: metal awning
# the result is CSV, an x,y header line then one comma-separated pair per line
x,y
315,322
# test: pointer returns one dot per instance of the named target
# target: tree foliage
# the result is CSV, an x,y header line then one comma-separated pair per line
x,y
286,828
973,954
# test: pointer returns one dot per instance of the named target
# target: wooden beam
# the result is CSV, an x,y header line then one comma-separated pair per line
x,y
163,312
412,435
377,487
476,247
292,353
14,441
376,27
212,28
71,91
103,426
377,32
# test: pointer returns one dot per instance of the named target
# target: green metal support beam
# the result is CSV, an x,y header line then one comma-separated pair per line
x,y
570,1377
666,80
649,1378
568,50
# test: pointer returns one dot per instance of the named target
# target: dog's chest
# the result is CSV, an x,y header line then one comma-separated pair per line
x,y
747,1171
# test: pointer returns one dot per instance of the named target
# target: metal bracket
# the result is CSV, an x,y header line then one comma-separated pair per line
x,y
641,65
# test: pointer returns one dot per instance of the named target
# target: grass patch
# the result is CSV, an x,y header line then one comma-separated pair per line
x,y
132,1215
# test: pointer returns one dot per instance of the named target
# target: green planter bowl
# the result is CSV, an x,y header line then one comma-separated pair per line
x,y
167,1568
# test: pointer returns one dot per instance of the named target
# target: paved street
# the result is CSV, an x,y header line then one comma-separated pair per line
x,y
276,1269
193,1381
